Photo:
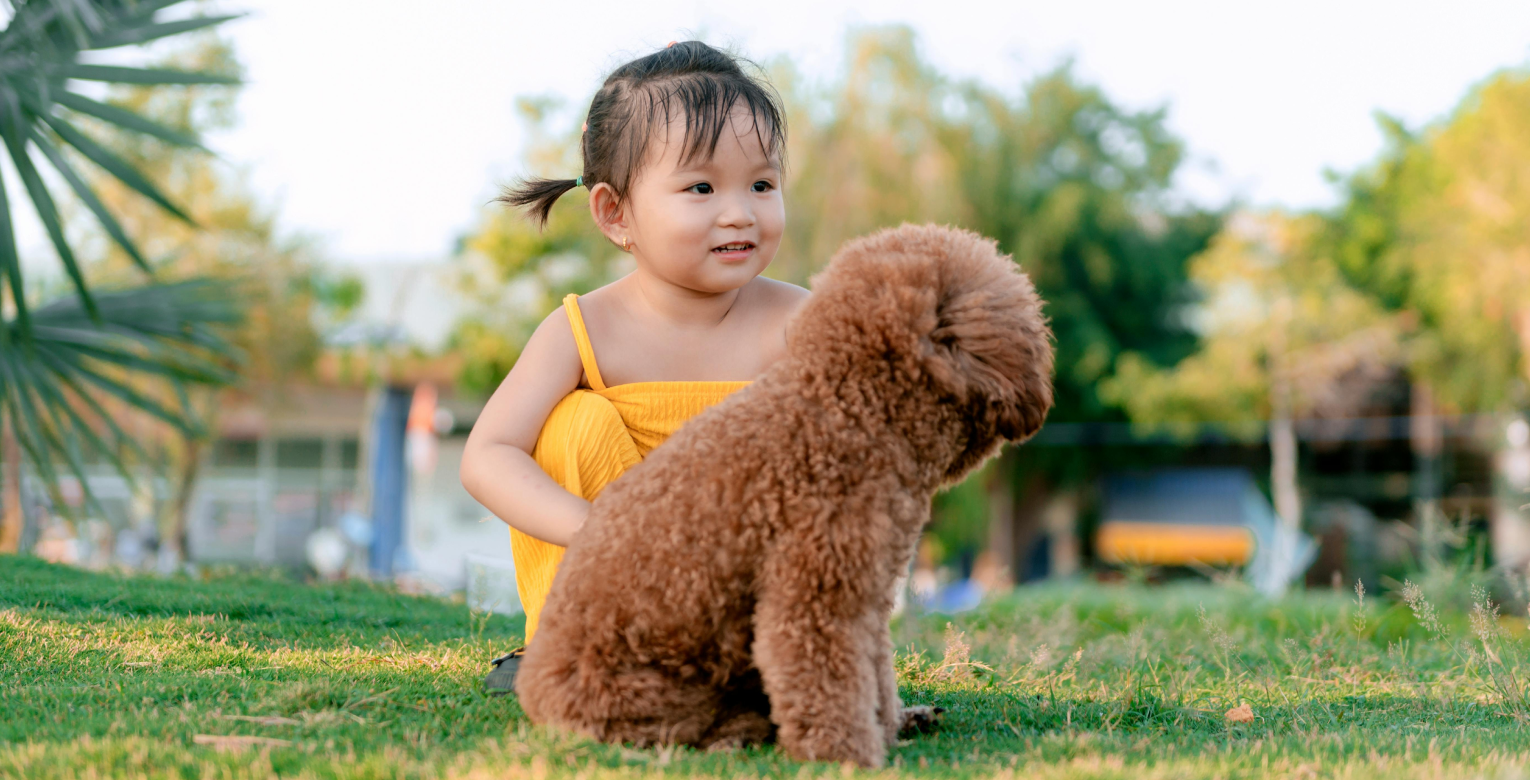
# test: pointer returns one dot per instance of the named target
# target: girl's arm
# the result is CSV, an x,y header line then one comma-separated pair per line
x,y
497,468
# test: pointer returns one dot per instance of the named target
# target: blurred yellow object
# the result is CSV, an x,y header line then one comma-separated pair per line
x,y
1173,544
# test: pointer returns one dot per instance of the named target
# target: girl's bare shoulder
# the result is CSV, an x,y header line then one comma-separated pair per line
x,y
551,355
776,300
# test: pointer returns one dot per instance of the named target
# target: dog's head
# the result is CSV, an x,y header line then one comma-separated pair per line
x,y
943,310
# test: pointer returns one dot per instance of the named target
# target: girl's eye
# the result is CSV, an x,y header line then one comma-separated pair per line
x,y
763,186
701,189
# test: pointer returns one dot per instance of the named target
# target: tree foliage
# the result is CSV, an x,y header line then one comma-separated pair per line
x,y
1276,317
1436,227
514,273
1076,187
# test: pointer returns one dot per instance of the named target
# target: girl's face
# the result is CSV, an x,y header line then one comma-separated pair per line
x,y
710,225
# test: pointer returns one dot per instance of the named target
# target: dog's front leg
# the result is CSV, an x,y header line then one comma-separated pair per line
x,y
818,658
889,706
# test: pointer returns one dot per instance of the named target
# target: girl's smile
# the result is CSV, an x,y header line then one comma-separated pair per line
x,y
734,252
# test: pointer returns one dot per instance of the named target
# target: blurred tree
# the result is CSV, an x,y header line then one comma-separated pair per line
x,y
515,273
1074,186
872,149
283,288
1436,226
1283,336
58,360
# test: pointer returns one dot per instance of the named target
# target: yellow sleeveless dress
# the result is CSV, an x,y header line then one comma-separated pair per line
x,y
592,437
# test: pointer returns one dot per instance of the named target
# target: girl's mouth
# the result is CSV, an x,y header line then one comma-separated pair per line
x,y
736,250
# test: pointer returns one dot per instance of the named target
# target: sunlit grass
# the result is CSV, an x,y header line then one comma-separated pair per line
x,y
245,676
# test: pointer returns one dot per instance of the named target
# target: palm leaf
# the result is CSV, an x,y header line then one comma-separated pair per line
x,y
124,118
10,265
46,210
71,359
63,365
146,76
153,32
40,51
115,165
89,198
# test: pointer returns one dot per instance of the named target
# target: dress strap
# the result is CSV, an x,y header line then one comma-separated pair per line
x,y
582,340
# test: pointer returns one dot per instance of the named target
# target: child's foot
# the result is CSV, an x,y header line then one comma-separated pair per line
x,y
501,679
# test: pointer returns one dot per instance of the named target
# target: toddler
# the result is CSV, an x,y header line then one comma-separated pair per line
x,y
683,157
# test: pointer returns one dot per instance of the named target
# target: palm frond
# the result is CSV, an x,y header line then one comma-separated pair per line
x,y
41,53
69,368
136,349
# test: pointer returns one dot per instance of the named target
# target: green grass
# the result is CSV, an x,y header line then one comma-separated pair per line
x,y
116,676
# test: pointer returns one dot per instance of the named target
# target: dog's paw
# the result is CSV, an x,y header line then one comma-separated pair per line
x,y
920,720
726,744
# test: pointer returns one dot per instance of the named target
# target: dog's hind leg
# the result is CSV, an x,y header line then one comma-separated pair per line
x,y
659,711
637,705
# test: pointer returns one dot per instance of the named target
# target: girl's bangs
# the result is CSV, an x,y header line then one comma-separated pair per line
x,y
706,105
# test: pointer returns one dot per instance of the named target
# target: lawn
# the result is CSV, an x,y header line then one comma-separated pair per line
x,y
256,676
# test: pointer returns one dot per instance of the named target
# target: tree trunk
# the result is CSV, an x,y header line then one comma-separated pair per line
x,y
1062,534
1001,516
1425,436
176,520
1288,499
11,516
1027,524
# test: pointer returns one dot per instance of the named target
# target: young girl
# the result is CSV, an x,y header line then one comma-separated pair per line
x,y
682,155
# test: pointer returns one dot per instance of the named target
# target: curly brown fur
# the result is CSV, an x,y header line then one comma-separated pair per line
x,y
736,586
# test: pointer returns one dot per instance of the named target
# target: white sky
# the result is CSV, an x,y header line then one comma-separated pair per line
x,y
384,127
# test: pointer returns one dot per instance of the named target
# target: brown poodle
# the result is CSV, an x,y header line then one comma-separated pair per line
x,y
737,584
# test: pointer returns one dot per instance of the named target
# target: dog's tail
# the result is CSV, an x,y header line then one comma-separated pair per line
x,y
942,303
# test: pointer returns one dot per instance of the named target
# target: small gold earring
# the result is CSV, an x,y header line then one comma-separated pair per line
x,y
624,243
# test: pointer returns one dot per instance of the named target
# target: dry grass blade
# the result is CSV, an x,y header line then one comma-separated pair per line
x,y
1240,714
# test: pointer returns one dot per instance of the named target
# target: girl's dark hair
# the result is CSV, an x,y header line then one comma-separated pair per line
x,y
691,79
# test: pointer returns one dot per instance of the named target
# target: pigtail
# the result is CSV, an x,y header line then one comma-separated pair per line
x,y
537,195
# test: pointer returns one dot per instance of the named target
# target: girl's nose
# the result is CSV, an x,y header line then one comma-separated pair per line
x,y
738,212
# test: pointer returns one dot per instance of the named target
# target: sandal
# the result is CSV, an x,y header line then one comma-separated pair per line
x,y
501,679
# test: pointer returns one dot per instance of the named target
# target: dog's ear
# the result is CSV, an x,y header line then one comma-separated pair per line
x,y
990,346
947,301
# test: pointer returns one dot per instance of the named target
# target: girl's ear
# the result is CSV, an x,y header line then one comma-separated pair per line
x,y
609,213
